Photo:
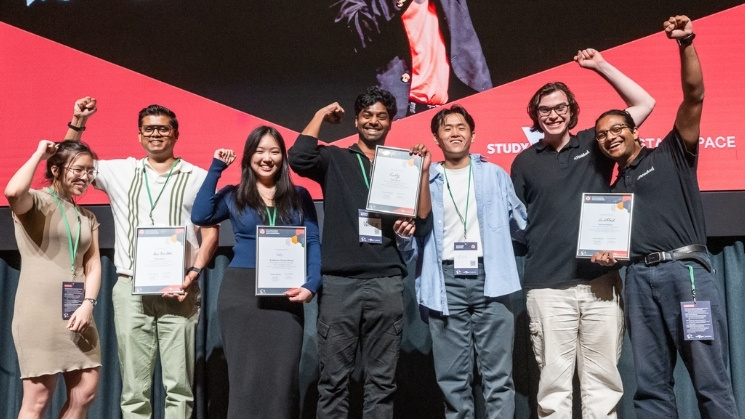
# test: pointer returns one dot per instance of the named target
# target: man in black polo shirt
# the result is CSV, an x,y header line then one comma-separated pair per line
x,y
670,264
575,309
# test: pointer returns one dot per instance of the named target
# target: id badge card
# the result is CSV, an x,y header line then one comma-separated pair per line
x,y
466,259
371,227
697,324
73,294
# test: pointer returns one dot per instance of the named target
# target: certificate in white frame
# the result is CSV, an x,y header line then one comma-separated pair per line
x,y
160,253
396,177
605,224
280,259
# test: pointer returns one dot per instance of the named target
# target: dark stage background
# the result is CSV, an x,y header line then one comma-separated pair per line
x,y
281,60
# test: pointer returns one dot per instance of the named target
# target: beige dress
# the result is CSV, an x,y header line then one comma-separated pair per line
x,y
43,343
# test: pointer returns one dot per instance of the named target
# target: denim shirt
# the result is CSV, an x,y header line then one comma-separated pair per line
x,y
501,216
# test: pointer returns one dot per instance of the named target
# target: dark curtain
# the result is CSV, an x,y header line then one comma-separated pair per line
x,y
417,396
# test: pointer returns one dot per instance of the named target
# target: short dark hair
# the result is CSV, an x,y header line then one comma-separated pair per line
x,y
547,89
440,117
627,118
157,110
66,151
372,96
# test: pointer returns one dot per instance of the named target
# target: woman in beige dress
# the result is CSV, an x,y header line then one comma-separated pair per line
x,y
58,243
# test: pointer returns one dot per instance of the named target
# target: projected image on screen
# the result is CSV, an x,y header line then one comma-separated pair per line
x,y
226,69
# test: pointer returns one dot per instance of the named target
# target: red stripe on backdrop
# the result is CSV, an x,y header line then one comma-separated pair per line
x,y
40,80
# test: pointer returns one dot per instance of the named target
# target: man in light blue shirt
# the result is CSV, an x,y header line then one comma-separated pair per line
x,y
468,211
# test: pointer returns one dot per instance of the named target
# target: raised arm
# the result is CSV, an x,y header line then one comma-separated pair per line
x,y
639,103
305,156
332,114
364,18
17,189
688,119
82,110
209,207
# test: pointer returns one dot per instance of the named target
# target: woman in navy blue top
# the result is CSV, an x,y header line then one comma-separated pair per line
x,y
262,336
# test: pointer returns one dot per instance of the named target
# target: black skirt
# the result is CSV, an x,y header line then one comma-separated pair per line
x,y
262,339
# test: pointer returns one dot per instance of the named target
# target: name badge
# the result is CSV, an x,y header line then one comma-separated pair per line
x,y
697,324
371,227
466,260
73,294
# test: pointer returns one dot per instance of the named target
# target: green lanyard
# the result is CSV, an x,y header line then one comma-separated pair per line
x,y
364,173
73,248
693,283
463,219
147,186
272,216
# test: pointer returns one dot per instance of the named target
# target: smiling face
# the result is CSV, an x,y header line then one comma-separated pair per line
x,y
454,136
617,140
553,123
75,176
157,136
267,159
373,123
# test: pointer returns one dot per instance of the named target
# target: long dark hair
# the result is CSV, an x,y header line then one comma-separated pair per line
x,y
286,198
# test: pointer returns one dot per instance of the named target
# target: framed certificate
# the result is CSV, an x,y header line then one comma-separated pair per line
x,y
605,224
280,259
394,188
159,260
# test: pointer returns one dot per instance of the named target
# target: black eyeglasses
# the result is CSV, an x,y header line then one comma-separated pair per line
x,y
601,136
560,109
150,130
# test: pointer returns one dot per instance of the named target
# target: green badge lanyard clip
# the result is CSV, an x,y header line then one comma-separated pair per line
x,y
147,186
693,283
72,247
463,219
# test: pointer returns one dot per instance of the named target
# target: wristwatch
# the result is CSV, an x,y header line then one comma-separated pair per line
x,y
686,40
93,301
194,269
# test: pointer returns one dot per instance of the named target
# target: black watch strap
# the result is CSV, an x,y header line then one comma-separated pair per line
x,y
686,40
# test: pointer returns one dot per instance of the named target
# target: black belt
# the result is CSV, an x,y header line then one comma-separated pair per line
x,y
452,262
697,252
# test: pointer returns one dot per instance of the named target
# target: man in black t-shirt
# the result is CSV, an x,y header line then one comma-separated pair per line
x,y
670,269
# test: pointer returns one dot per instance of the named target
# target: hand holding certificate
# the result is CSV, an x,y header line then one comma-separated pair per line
x,y
394,188
159,260
605,224
280,259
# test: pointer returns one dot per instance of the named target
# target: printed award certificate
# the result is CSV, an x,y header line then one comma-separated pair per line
x,y
280,259
605,224
394,188
159,260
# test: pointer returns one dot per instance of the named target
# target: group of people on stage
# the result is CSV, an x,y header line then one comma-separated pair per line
x,y
576,306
